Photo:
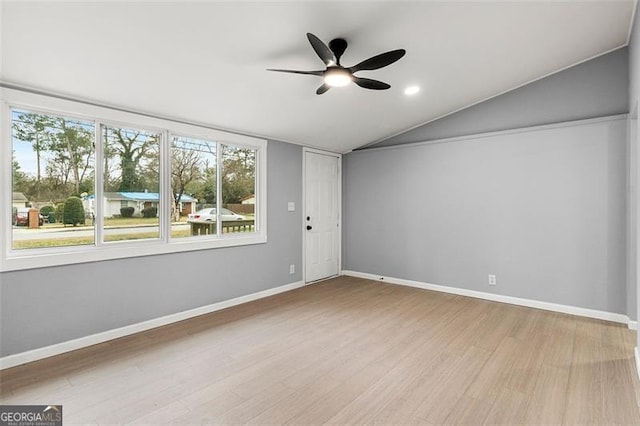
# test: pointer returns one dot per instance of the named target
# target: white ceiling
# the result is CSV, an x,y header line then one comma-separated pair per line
x,y
205,61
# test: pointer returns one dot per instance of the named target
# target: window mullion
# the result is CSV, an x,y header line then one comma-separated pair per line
x,y
6,179
166,202
218,189
98,202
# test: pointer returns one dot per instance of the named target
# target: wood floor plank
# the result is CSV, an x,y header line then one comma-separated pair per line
x,y
618,375
445,396
508,409
348,351
547,401
496,371
468,411
585,377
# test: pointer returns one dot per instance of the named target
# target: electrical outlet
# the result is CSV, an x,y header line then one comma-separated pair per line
x,y
292,269
492,279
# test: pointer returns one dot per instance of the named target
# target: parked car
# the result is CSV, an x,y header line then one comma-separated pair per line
x,y
209,215
21,218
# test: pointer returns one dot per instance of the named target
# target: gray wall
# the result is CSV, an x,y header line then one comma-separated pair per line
x,y
595,88
544,210
40,307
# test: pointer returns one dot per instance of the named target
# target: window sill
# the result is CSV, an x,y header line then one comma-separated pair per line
x,y
32,259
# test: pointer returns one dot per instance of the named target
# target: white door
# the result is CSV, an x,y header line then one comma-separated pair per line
x,y
321,215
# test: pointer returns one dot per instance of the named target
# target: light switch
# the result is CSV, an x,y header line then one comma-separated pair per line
x,y
291,206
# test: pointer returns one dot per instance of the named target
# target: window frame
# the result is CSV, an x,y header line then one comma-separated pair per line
x,y
99,251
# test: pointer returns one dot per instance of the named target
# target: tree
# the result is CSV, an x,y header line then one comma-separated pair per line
x,y
18,177
204,189
66,148
186,167
238,174
73,150
109,175
33,128
131,147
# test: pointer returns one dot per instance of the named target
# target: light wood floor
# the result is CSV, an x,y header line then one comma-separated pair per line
x,y
348,351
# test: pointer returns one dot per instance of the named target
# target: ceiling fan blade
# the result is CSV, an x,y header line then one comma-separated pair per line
x,y
322,50
322,89
379,61
318,73
368,83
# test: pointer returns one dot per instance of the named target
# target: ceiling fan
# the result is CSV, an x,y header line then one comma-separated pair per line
x,y
335,75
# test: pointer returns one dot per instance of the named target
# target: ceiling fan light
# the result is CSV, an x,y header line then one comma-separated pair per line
x,y
337,77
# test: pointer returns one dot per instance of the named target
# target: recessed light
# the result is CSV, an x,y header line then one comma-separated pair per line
x,y
411,90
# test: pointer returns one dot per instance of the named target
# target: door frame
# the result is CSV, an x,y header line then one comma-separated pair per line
x,y
306,150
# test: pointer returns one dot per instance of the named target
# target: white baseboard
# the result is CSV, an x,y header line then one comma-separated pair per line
x,y
83,342
555,307
633,325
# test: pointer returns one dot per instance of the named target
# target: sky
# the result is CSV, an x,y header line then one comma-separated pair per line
x,y
25,155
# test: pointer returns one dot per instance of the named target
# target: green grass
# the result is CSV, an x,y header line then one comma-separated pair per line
x,y
115,221
80,241
52,242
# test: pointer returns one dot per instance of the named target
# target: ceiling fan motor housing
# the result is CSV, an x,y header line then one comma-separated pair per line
x,y
338,46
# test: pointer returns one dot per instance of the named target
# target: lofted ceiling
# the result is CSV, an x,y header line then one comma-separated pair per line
x,y
205,62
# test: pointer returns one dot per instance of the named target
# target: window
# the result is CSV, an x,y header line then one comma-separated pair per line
x,y
52,164
238,183
131,164
92,183
195,173
194,180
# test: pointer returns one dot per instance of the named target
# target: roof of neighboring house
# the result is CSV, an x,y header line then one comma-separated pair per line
x,y
153,196
110,196
188,199
19,196
140,196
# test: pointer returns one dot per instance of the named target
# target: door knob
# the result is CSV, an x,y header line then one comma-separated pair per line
x,y
309,227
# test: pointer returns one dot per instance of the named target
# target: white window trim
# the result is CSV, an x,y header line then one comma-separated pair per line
x,y
37,258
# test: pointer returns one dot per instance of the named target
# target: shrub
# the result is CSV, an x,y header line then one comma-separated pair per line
x,y
45,210
73,212
60,212
127,211
49,212
150,212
